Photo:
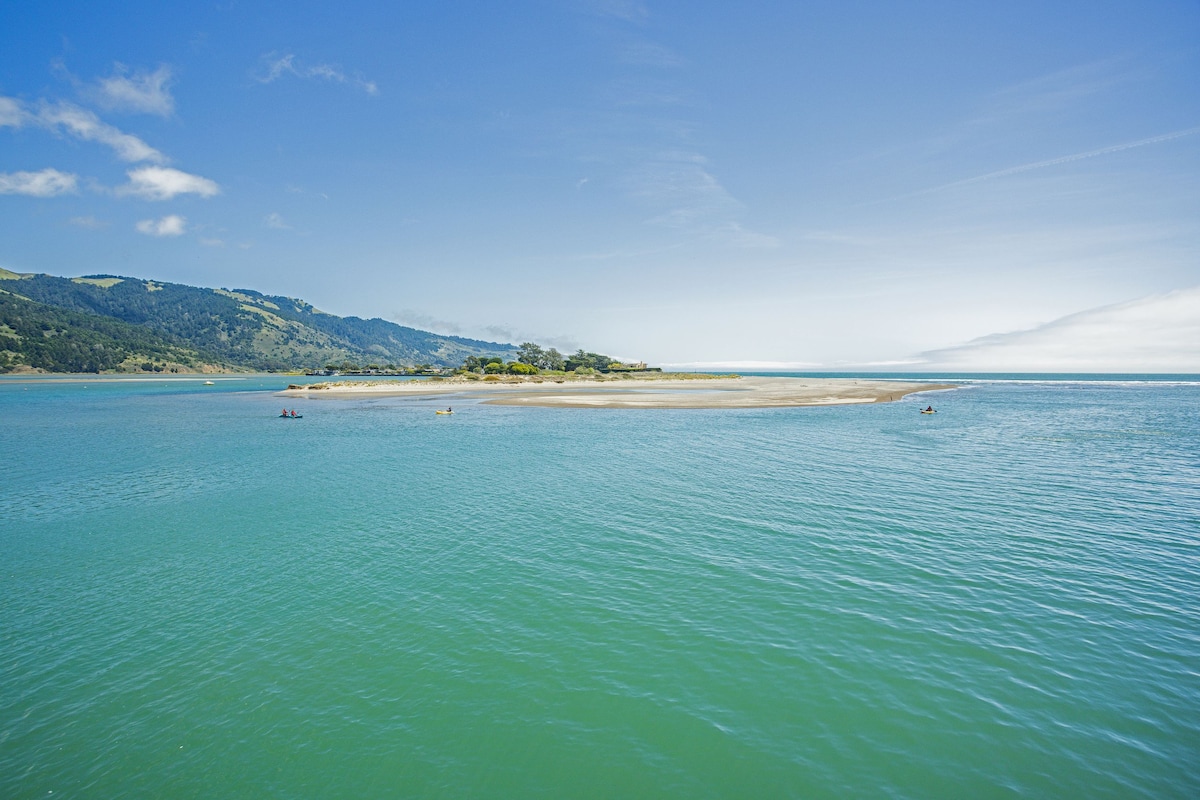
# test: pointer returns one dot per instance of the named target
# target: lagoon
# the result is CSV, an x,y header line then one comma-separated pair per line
x,y
202,599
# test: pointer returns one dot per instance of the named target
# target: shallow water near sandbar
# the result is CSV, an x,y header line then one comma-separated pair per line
x,y
202,599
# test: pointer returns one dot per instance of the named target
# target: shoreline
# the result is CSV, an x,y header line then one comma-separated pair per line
x,y
701,393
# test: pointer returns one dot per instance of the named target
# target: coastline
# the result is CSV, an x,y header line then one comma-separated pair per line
x,y
707,392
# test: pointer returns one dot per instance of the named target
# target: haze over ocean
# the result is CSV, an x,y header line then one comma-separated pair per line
x,y
201,599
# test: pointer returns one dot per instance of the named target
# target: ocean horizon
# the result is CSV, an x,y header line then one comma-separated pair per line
x,y
203,599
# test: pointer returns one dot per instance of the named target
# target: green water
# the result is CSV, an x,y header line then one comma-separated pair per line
x,y
202,600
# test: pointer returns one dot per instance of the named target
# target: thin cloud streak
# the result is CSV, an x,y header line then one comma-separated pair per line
x,y
287,65
1051,162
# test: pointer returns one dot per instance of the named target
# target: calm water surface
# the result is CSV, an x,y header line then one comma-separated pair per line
x,y
200,599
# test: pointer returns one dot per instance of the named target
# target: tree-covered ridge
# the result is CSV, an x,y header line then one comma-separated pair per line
x,y
244,328
54,339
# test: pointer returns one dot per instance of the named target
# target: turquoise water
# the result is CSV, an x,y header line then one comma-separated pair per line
x,y
201,599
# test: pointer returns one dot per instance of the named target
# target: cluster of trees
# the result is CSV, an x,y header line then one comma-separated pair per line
x,y
533,355
584,360
494,365
532,359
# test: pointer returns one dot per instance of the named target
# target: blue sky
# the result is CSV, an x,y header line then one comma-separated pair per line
x,y
819,184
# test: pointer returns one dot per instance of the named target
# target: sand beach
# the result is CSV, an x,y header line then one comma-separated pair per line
x,y
641,392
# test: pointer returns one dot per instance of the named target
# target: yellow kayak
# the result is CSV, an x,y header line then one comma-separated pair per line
x,y
443,412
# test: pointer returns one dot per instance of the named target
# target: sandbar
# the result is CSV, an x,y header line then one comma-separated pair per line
x,y
717,392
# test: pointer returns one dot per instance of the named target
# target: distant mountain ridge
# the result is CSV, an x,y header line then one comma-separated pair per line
x,y
110,322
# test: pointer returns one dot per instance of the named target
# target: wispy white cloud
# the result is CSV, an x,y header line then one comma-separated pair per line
x,y
150,182
164,183
649,54
137,91
80,123
1022,123
623,254
681,183
1160,333
278,67
85,125
170,225
1054,91
89,222
733,233
45,183
302,191
650,93
209,241
12,115
690,198
275,220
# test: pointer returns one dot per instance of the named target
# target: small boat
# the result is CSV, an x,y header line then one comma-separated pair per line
x,y
928,411
209,383
443,412
291,416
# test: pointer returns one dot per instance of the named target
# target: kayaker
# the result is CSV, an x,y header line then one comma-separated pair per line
x,y
930,409
293,412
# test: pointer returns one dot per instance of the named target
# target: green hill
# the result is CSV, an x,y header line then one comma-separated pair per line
x,y
191,327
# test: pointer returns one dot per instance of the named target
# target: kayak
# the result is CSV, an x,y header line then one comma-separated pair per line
x,y
928,412
443,412
291,416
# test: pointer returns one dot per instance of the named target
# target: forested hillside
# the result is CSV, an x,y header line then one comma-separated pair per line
x,y
60,340
236,329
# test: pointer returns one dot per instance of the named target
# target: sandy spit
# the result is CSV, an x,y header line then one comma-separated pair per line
x,y
723,393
